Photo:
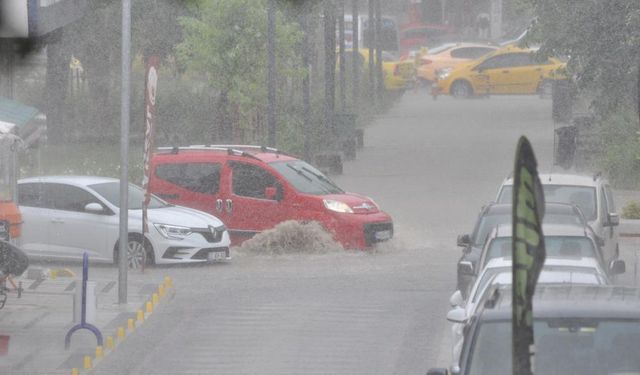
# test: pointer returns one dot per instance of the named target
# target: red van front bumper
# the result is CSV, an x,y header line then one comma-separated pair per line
x,y
356,231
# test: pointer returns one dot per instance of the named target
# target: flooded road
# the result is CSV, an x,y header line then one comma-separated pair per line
x,y
431,165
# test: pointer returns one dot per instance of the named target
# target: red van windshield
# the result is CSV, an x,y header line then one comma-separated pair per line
x,y
305,178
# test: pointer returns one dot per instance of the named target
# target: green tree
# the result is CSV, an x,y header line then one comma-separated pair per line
x,y
601,39
225,45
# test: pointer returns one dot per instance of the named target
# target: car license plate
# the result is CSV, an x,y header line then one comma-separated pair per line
x,y
383,235
217,255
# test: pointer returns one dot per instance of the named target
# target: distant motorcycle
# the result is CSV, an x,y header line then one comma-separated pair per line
x,y
13,262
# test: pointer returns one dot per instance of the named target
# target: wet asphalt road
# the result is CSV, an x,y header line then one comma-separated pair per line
x,y
431,165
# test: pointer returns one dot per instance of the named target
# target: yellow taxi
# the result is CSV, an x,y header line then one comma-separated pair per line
x,y
449,56
509,70
398,75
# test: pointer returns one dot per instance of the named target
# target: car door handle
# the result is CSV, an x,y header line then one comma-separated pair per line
x,y
229,204
219,205
57,221
505,71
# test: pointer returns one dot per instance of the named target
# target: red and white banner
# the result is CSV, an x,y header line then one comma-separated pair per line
x,y
151,84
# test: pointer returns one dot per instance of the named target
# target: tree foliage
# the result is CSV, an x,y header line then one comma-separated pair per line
x,y
601,39
225,45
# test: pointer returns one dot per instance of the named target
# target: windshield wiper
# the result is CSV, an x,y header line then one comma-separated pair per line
x,y
301,173
323,179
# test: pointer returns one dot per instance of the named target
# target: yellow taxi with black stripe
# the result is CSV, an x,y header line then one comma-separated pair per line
x,y
509,70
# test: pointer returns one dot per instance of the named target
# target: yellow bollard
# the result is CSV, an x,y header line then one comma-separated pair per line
x,y
161,291
140,316
99,352
110,342
87,362
120,333
53,274
74,371
168,282
130,324
149,307
155,299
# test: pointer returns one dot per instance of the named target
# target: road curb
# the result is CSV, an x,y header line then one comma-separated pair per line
x,y
629,228
90,363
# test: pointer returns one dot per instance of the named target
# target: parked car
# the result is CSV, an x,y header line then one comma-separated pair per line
x,y
587,330
495,214
254,188
65,216
398,75
591,193
582,271
562,241
449,56
416,35
509,70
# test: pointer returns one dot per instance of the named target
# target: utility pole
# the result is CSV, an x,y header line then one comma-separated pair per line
x,y
355,75
271,73
378,32
341,77
329,66
371,42
124,152
306,95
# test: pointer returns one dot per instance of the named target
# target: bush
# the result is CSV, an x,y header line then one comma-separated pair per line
x,y
620,151
292,237
631,210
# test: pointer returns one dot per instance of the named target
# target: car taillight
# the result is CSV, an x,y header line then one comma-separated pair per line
x,y
396,70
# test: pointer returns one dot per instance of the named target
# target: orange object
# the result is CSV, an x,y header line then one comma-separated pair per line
x,y
9,212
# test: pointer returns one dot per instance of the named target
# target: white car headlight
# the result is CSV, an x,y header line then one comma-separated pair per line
x,y
173,231
444,73
337,206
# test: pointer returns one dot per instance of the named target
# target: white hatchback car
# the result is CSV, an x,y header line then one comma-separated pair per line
x,y
591,193
65,216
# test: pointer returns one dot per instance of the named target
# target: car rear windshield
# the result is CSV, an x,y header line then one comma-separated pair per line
x,y
305,178
111,192
563,346
582,196
555,246
488,222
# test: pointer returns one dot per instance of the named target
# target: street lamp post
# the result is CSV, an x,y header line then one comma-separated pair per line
x,y
124,152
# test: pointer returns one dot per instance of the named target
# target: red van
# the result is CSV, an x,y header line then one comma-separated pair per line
x,y
253,188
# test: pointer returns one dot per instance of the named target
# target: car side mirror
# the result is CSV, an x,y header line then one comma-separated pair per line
x,y
456,299
94,208
465,268
457,315
617,267
437,371
464,240
613,219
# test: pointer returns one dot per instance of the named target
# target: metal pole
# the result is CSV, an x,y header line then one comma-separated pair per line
x,y
271,72
371,42
329,65
124,152
306,94
356,54
341,79
378,33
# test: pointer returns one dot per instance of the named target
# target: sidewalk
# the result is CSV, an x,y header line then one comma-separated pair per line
x,y
38,322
